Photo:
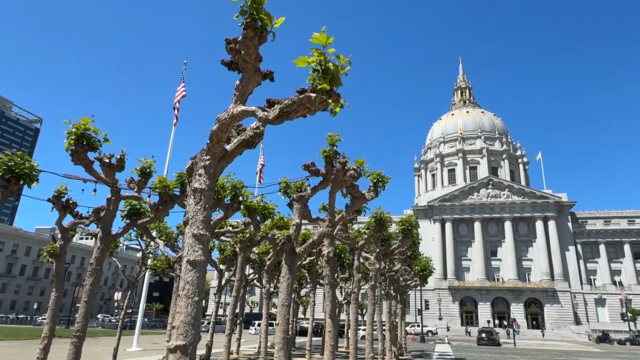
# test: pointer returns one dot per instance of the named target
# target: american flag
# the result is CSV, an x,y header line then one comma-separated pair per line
x,y
181,93
260,169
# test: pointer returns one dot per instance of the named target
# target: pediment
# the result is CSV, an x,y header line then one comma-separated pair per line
x,y
492,190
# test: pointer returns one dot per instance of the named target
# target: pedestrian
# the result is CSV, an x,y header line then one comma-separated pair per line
x,y
508,333
542,332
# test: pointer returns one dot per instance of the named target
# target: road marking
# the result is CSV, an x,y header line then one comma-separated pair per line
x,y
443,351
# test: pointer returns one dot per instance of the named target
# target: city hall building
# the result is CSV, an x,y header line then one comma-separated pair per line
x,y
503,250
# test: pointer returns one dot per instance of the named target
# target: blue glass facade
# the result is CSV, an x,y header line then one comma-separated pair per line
x,y
19,130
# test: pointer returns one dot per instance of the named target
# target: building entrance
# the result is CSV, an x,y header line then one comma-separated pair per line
x,y
500,311
468,311
534,312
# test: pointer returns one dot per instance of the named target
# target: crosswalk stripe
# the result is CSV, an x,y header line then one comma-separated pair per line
x,y
443,351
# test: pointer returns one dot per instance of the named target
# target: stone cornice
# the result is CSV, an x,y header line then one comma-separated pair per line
x,y
606,213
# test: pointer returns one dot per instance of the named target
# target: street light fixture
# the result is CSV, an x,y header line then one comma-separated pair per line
x,y
623,297
439,301
576,305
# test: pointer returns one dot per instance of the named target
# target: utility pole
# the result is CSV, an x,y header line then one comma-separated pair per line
x,y
422,339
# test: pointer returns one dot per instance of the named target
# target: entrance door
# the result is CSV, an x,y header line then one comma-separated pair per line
x,y
469,319
500,312
533,322
534,313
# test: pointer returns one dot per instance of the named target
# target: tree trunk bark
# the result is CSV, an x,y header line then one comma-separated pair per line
x,y
347,324
388,319
175,294
402,324
233,305
89,290
241,310
285,295
116,347
353,311
185,335
214,315
264,329
331,301
394,327
381,342
336,320
312,313
295,308
372,292
49,329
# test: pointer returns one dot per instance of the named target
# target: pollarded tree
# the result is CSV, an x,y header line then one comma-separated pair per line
x,y
84,141
17,169
56,253
338,176
228,139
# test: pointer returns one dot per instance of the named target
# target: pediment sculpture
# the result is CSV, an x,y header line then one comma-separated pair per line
x,y
491,194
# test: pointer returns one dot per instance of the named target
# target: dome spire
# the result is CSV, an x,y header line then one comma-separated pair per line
x,y
463,92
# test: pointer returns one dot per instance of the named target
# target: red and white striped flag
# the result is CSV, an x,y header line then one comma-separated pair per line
x,y
181,93
260,169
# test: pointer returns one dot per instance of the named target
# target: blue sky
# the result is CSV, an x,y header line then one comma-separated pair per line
x,y
561,74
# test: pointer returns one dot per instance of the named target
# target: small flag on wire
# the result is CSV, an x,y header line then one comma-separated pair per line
x,y
539,156
181,93
261,164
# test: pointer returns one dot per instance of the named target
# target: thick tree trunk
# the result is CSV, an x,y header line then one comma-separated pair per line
x,y
241,310
49,329
381,342
185,335
331,301
394,328
285,295
295,308
347,324
264,329
353,313
217,296
372,292
388,319
89,290
175,294
402,324
116,347
312,313
336,320
233,306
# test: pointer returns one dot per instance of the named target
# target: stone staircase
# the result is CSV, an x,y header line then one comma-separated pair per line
x,y
552,335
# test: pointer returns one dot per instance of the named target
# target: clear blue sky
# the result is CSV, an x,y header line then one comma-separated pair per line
x,y
562,74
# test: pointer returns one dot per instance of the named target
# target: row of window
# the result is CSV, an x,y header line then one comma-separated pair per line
x,y
452,178
613,252
26,306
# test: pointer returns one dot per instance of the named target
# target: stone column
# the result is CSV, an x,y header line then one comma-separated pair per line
x,y
505,165
603,264
450,250
425,178
543,253
523,177
510,257
479,267
438,259
556,250
439,183
460,172
583,267
630,268
417,183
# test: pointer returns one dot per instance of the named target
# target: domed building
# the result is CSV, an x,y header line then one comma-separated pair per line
x,y
503,250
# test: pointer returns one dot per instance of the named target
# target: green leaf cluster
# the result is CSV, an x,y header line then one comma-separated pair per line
x,y
326,69
84,133
49,252
330,153
161,185
18,167
164,232
289,189
146,168
61,191
134,210
253,11
161,266
422,268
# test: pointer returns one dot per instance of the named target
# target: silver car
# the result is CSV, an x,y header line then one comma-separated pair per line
x,y
206,324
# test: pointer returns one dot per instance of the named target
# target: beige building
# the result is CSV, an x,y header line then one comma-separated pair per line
x,y
25,281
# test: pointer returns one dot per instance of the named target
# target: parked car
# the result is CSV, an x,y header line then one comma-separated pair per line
x,y
604,338
205,325
488,336
255,327
104,317
362,331
630,340
318,330
426,330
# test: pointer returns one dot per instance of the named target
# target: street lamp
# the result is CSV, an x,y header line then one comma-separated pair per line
x,y
422,339
76,294
623,297
576,305
439,301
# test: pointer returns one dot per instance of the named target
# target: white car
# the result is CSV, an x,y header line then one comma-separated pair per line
x,y
254,328
104,317
362,332
426,330
206,324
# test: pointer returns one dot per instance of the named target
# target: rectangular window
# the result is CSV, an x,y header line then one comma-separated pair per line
x,y
14,250
17,289
121,284
64,293
30,290
612,253
101,296
106,281
631,223
27,251
68,279
39,253
636,254
3,288
587,252
473,173
79,277
35,271
12,305
23,270
606,223
495,171
512,175
451,175
25,306
433,181
82,261
43,290
493,251
73,259
47,273
9,269
2,246
109,266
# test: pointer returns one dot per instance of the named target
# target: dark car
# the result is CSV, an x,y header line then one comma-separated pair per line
x,y
488,336
318,330
604,338
630,340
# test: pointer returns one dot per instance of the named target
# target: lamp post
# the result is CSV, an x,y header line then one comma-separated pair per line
x,y
415,313
576,305
623,297
76,285
439,301
422,339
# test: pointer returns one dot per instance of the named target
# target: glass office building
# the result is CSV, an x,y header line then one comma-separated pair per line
x,y
19,130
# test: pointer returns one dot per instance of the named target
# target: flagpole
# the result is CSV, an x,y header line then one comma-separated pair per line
x,y
544,182
147,275
255,192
